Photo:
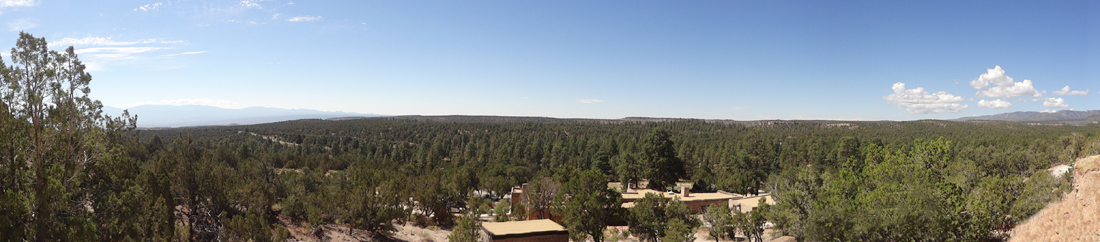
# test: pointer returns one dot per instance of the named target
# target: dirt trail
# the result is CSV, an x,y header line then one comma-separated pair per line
x,y
1076,217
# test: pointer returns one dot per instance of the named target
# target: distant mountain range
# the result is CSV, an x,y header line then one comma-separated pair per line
x,y
155,116
1063,115
150,116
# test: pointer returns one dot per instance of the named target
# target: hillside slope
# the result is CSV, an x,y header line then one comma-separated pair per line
x,y
1076,217
1030,116
196,115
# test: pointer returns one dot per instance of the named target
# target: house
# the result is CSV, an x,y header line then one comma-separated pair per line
x,y
524,231
517,197
747,204
697,201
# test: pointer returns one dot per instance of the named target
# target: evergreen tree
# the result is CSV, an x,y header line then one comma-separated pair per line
x,y
663,167
652,216
587,205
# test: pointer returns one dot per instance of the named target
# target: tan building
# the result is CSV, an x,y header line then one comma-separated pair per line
x,y
524,231
747,204
697,201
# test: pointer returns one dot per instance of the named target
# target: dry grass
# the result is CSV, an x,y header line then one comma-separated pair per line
x,y
1076,217
339,233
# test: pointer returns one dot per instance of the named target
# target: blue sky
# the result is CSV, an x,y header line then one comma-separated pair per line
x,y
854,60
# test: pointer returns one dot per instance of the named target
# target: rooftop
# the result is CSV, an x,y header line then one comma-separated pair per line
x,y
521,227
750,203
640,193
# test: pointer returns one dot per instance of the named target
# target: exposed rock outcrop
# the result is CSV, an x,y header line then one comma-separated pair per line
x,y
1076,217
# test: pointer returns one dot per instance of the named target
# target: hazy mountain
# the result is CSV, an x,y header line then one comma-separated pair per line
x,y
194,115
1063,115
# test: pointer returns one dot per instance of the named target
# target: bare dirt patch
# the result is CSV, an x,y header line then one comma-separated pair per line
x,y
340,233
1076,217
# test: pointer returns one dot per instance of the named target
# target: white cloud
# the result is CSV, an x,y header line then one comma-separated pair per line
x,y
304,18
187,53
101,41
105,52
97,41
184,101
17,3
275,16
1067,91
242,22
994,83
995,104
98,58
19,25
1054,103
590,101
919,101
91,66
250,4
117,50
149,7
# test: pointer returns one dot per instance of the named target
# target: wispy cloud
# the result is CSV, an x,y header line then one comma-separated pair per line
x,y
590,101
304,19
919,101
19,25
17,3
187,53
97,41
123,50
149,7
105,51
185,101
1067,91
100,58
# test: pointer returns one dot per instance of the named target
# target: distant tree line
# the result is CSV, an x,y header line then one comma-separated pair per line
x,y
70,173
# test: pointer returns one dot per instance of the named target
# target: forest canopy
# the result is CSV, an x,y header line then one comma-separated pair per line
x,y
69,173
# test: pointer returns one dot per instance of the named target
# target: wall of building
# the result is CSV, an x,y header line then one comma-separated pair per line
x,y
537,238
699,206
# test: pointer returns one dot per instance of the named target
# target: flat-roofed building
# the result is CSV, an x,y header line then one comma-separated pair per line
x,y
697,201
747,204
523,231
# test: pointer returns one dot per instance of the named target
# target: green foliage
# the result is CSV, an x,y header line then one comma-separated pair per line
x,y
467,227
629,168
501,209
679,231
751,223
587,205
652,216
519,212
538,199
658,156
376,204
924,190
53,136
720,221
69,173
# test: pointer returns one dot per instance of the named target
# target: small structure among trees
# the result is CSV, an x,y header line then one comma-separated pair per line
x,y
530,230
